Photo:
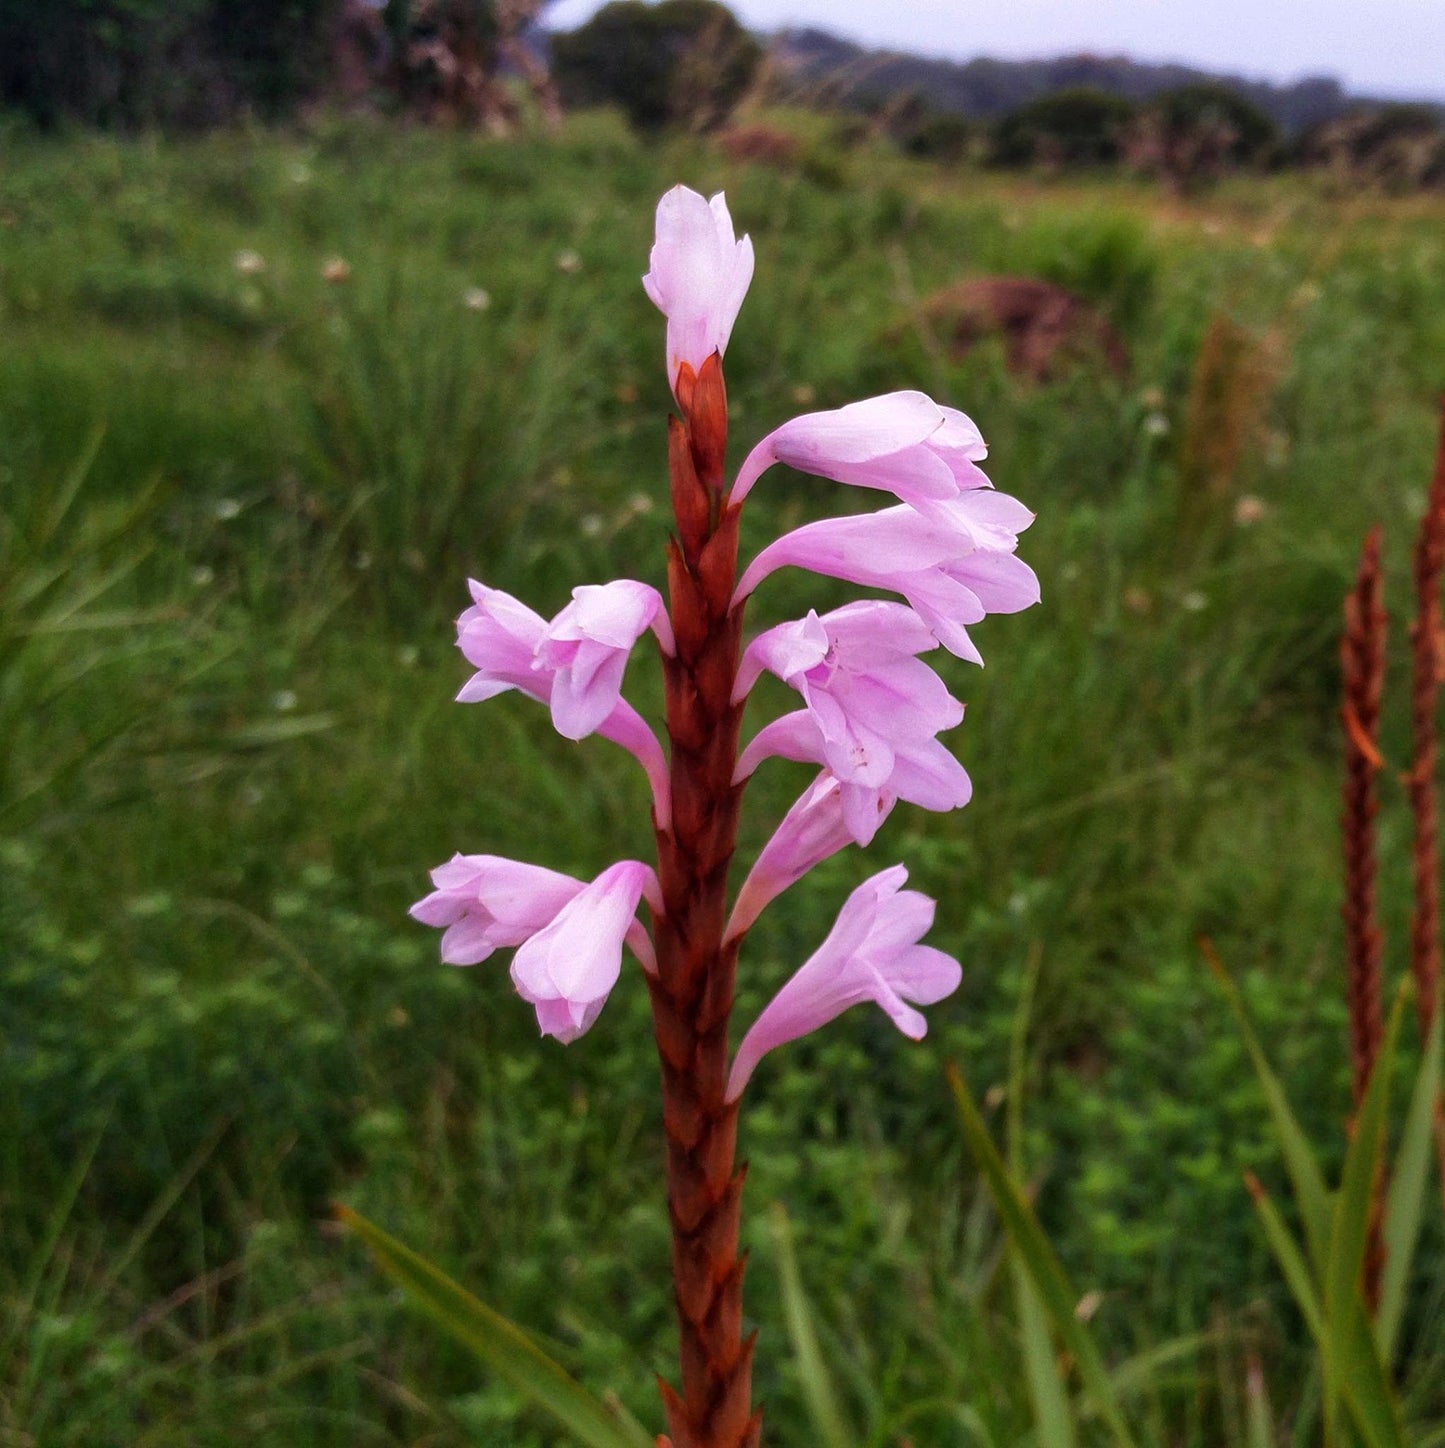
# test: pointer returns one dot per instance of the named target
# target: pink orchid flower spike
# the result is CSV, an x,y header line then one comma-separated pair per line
x,y
574,665
570,933
698,277
903,443
871,954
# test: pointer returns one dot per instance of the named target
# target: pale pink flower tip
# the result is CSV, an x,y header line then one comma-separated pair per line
x,y
568,968
698,276
871,954
584,650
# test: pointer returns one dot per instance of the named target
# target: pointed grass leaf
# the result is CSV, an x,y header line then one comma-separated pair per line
x,y
1409,1184
500,1344
1350,1221
1048,1389
1310,1192
1043,1266
1356,1355
1259,1417
1048,1392
823,1407
1291,1262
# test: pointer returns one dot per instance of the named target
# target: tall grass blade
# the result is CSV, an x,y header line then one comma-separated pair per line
x,y
1259,1417
1048,1391
1044,1268
1291,1263
1350,1221
500,1344
1311,1194
1409,1185
823,1406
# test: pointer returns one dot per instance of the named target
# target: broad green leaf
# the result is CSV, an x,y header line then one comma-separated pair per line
x,y
827,1416
1055,1292
1311,1195
1409,1184
500,1344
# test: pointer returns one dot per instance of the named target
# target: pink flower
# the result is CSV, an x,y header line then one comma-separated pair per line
x,y
902,442
574,664
698,278
873,712
570,933
923,772
871,954
567,969
954,569
585,650
487,903
810,832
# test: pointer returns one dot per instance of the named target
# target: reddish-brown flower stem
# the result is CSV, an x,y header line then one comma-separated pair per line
x,y
1362,660
1427,639
692,992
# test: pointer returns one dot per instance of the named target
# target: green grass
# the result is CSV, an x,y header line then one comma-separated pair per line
x,y
227,774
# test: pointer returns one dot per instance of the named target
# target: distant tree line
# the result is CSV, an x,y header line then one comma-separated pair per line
x,y
177,64
688,63
123,63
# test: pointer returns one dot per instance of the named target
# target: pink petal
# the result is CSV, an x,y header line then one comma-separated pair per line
x,y
870,954
698,276
811,831
568,968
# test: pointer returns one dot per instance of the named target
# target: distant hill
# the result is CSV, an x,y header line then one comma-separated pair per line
x,y
986,87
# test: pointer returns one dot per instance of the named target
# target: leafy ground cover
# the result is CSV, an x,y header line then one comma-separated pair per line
x,y
238,502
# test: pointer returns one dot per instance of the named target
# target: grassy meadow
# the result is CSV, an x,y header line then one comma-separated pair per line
x,y
238,506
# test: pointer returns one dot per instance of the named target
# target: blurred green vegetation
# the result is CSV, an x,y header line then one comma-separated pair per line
x,y
238,505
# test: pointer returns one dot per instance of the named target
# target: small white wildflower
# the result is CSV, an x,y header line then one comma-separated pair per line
x,y
249,263
569,262
1156,424
203,576
226,509
1250,510
283,701
591,525
336,270
476,299
1193,601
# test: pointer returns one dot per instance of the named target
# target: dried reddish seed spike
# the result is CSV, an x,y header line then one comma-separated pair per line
x,y
1362,660
1426,636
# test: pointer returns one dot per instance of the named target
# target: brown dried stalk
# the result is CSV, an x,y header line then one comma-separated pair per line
x,y
1427,638
692,992
1362,660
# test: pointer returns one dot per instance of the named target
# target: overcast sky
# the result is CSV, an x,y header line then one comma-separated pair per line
x,y
1381,47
